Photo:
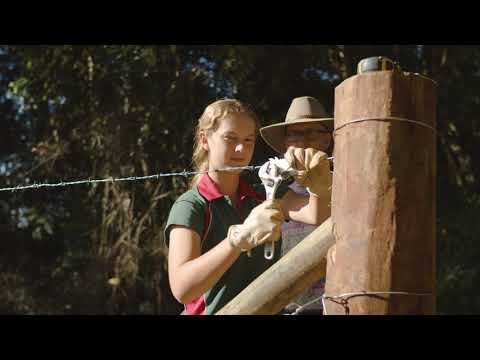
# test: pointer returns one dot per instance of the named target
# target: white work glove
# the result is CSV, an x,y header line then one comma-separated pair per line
x,y
261,226
313,169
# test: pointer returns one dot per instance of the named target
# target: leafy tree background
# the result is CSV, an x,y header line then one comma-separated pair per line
x,y
79,112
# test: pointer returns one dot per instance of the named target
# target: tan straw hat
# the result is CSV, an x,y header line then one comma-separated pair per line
x,y
304,109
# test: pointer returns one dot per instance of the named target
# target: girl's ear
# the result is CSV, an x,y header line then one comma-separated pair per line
x,y
203,140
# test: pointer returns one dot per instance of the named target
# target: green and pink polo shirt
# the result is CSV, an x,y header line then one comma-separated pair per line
x,y
207,211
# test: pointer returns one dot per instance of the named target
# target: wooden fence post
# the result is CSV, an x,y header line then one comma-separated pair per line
x,y
384,194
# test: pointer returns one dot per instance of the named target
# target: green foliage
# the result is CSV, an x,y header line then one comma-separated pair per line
x,y
75,112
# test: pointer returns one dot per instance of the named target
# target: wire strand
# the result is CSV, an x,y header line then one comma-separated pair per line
x,y
183,173
387,118
345,297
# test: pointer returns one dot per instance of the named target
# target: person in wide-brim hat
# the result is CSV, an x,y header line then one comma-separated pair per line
x,y
305,134
303,110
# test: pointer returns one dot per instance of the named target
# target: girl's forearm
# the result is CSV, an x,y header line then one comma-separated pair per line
x,y
196,276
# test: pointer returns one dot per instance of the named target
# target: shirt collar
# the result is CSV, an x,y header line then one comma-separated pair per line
x,y
208,188
210,191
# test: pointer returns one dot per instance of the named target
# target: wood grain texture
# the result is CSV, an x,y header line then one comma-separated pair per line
x,y
384,194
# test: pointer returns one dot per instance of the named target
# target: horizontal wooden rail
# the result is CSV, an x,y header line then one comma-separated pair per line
x,y
289,277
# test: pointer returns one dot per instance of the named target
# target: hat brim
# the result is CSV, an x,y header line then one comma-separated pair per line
x,y
274,135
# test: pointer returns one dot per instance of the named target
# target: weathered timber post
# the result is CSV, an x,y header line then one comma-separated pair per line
x,y
383,195
295,272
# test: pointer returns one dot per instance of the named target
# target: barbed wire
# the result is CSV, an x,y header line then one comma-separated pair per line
x,y
183,173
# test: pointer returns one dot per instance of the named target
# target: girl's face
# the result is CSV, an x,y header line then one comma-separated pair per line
x,y
308,135
232,144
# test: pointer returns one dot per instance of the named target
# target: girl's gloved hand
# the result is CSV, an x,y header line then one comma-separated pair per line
x,y
261,226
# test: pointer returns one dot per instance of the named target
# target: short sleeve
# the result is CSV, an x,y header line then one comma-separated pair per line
x,y
186,213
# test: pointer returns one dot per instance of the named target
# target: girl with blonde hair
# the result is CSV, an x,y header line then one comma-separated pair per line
x,y
214,230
